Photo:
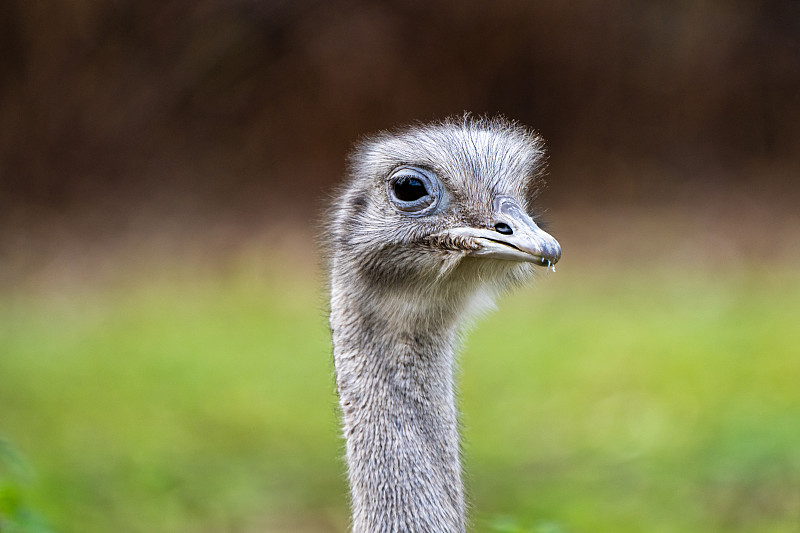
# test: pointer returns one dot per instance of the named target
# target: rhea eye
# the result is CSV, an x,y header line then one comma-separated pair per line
x,y
413,191
409,189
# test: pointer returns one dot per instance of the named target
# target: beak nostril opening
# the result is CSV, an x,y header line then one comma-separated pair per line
x,y
502,227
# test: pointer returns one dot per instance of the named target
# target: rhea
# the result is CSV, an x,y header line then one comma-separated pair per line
x,y
432,223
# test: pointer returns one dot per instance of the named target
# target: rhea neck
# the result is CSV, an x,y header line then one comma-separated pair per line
x,y
393,353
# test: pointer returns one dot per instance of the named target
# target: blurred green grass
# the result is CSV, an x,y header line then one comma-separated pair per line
x,y
637,399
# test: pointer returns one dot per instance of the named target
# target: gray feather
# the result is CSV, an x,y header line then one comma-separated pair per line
x,y
400,294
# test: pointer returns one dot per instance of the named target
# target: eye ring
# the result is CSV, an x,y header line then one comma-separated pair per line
x,y
413,190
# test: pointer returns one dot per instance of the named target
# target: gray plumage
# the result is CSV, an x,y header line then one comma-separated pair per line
x,y
433,222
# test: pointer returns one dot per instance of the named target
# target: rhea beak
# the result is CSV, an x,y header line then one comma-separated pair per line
x,y
515,236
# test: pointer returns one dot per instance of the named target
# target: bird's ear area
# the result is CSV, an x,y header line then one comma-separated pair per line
x,y
357,200
348,208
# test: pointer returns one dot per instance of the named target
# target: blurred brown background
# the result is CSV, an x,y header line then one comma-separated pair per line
x,y
164,354
130,119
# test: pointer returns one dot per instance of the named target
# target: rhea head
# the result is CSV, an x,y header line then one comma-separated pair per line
x,y
441,209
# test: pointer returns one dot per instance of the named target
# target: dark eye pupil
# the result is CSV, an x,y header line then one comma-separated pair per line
x,y
409,189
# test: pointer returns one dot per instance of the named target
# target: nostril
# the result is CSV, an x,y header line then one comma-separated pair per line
x,y
502,227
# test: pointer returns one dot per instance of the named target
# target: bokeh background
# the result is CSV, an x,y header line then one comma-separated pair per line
x,y
164,357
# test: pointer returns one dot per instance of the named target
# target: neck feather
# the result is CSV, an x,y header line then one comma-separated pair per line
x,y
395,380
